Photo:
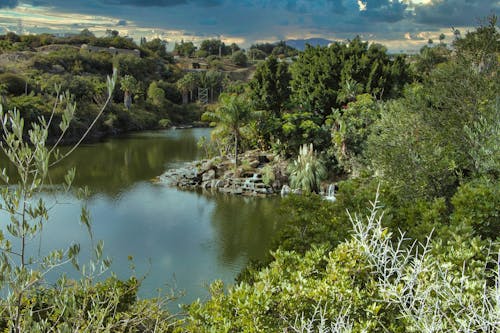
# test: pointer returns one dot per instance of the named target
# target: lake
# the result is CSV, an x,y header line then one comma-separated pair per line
x,y
177,238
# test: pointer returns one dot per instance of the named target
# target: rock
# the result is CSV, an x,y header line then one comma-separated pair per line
x,y
209,175
253,163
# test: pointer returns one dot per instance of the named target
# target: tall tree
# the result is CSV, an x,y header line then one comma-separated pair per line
x,y
233,113
271,86
212,80
128,84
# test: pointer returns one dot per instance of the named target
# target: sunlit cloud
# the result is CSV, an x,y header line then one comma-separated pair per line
x,y
248,21
362,5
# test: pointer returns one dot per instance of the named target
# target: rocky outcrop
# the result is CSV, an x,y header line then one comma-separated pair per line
x,y
256,176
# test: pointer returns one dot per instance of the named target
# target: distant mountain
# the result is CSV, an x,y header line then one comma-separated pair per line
x,y
300,44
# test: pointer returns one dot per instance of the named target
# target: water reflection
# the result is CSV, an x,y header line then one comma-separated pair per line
x,y
113,166
174,235
247,227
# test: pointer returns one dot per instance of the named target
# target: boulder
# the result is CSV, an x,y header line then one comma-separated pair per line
x,y
208,175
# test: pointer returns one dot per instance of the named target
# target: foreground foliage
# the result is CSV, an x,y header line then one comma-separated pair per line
x,y
32,301
366,284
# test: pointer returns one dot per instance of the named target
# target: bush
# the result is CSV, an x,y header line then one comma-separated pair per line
x,y
366,284
164,123
477,203
16,84
239,58
307,171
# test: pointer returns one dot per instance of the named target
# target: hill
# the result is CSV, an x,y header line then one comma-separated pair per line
x,y
300,44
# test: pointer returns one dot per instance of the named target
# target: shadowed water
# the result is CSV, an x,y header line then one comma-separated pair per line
x,y
178,238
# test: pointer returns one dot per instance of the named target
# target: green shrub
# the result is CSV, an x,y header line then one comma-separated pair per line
x,y
366,284
477,203
239,58
164,123
307,171
16,84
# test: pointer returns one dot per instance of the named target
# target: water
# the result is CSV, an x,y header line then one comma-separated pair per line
x,y
177,238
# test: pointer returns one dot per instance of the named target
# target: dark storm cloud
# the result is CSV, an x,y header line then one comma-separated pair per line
x,y
384,10
273,19
8,3
162,3
455,12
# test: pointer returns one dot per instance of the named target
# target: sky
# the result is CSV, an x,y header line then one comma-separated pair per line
x,y
398,24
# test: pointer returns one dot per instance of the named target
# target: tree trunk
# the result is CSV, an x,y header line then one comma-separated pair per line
x,y
127,100
184,98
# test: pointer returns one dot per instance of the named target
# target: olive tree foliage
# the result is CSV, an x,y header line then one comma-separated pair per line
x,y
425,281
21,272
29,303
32,158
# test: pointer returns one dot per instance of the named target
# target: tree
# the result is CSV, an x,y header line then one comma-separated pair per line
x,y
442,132
442,37
351,128
112,33
128,84
185,49
156,95
21,272
212,80
256,54
234,47
239,58
429,57
480,47
270,86
321,74
214,47
186,85
232,114
87,33
156,45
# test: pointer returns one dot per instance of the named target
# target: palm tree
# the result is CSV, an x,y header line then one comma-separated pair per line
x,y
232,114
183,86
212,80
186,85
307,171
128,86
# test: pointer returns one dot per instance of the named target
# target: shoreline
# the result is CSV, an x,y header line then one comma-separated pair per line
x,y
260,174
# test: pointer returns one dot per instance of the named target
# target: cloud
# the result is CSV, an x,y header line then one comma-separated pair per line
x,y
9,3
384,10
253,20
455,12
162,3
